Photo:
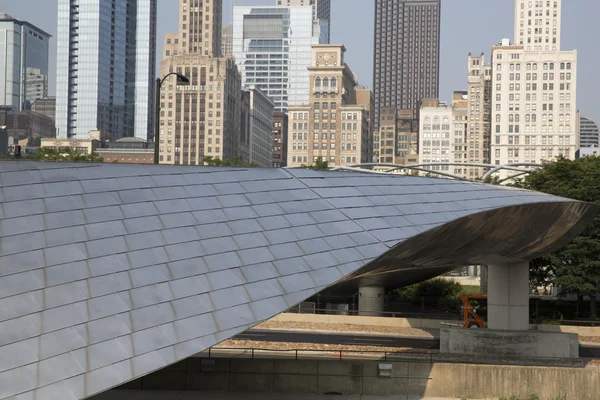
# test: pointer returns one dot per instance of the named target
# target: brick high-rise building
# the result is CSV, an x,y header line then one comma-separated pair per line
x,y
202,118
406,53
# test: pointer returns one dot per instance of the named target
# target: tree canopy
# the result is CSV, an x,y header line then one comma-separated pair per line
x,y
234,162
576,267
64,154
319,164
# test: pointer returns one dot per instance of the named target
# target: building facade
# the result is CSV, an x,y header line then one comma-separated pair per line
x,y
227,41
459,133
479,90
396,141
406,53
201,118
256,142
537,24
534,114
331,126
127,151
321,14
272,48
364,96
280,139
588,133
435,139
28,126
45,106
385,138
105,67
23,63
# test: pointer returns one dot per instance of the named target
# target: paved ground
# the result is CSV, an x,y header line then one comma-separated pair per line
x,y
585,351
339,338
166,395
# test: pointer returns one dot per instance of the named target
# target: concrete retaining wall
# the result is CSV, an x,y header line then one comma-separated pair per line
x,y
409,378
509,343
419,323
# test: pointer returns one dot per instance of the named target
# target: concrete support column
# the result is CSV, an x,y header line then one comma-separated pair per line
x,y
371,300
508,296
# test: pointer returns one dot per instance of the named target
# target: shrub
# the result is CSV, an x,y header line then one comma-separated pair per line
x,y
432,290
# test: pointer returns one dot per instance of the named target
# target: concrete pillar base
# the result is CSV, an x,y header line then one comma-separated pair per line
x,y
491,342
371,301
508,296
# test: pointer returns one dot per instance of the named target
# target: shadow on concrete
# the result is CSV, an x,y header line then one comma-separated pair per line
x,y
332,379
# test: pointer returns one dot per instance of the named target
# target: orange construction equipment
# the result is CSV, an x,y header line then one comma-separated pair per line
x,y
470,317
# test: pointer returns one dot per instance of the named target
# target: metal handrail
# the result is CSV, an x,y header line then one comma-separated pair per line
x,y
419,355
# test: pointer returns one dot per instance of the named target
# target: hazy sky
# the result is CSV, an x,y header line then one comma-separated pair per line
x,y
467,26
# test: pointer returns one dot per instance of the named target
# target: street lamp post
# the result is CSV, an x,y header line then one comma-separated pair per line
x,y
181,80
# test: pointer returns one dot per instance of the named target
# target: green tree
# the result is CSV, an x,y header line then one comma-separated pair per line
x,y
576,267
234,162
209,160
64,154
432,290
319,164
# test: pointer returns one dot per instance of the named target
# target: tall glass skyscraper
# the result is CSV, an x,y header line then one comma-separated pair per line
x,y
272,47
23,63
321,14
105,67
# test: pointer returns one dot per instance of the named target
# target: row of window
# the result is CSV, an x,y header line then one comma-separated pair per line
x,y
531,153
531,140
304,159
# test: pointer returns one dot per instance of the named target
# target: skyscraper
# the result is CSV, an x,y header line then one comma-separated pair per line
x,y
321,14
272,48
534,83
588,133
23,63
537,26
202,118
105,67
406,53
332,126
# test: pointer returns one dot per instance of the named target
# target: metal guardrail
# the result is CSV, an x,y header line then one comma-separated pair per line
x,y
416,355
303,354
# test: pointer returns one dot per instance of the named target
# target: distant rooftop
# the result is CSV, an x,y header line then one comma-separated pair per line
x,y
6,17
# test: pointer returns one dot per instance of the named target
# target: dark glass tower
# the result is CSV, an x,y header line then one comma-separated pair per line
x,y
406,53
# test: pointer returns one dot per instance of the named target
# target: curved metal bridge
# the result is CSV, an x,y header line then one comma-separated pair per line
x,y
520,169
